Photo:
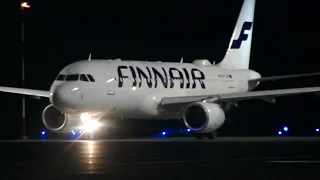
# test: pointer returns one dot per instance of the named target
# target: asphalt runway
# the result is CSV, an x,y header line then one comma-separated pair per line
x,y
172,158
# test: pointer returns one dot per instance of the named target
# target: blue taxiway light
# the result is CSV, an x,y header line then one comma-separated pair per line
x,y
188,130
317,130
279,132
73,133
163,133
286,129
43,132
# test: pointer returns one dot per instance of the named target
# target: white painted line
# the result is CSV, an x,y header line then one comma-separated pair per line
x,y
294,161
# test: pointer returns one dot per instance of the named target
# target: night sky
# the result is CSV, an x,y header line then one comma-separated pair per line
x,y
58,33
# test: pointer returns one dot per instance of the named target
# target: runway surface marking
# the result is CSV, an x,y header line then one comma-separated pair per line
x,y
294,161
263,159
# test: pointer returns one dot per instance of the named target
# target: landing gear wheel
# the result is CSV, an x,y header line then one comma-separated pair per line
x,y
212,136
199,136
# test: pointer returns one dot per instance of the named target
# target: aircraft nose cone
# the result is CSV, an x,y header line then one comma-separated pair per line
x,y
65,96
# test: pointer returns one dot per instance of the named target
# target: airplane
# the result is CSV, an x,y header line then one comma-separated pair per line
x,y
87,92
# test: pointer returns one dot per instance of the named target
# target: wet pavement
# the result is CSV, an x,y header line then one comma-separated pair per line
x,y
173,158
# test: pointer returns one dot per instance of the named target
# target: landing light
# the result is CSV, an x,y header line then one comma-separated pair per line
x,y
90,126
25,5
85,117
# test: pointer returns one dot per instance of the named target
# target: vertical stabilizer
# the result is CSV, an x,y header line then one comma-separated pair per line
x,y
238,53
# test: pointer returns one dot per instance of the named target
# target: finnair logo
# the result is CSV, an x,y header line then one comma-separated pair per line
x,y
236,44
188,78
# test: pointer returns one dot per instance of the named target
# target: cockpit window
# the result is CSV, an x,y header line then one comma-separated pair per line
x,y
83,77
75,77
61,77
72,77
91,78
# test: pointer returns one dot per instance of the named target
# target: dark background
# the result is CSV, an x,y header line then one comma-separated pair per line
x,y
285,41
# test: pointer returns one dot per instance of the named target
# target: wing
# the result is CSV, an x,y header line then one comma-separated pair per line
x,y
29,92
237,96
272,78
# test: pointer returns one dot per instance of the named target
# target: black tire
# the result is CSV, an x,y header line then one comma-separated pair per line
x,y
212,136
199,137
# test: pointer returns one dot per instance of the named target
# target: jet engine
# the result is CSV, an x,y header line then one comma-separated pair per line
x,y
204,117
57,121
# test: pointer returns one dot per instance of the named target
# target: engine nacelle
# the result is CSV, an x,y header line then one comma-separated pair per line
x,y
57,121
203,117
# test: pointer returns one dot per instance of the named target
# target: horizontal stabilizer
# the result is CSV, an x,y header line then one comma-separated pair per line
x,y
272,78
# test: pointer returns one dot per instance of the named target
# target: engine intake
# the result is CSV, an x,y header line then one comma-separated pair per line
x,y
57,121
53,119
203,117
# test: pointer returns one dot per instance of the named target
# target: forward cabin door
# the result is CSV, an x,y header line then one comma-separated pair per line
x,y
110,81
111,86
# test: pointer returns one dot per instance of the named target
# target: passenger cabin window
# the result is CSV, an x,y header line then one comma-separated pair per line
x,y
72,77
83,77
61,77
90,78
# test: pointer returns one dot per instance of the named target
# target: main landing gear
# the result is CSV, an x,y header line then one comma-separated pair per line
x,y
210,136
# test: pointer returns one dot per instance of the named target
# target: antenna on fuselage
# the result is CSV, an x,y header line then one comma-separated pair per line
x,y
181,61
89,59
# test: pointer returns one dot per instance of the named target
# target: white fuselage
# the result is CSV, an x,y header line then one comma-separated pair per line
x,y
120,88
